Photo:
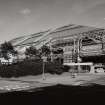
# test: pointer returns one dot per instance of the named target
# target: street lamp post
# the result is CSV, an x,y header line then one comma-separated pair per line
x,y
44,58
43,74
44,61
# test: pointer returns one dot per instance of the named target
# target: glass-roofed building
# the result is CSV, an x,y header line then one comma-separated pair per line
x,y
76,40
86,42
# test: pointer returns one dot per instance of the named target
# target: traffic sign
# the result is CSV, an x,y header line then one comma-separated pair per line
x,y
44,59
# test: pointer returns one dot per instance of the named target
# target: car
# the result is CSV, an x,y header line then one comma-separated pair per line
x,y
99,70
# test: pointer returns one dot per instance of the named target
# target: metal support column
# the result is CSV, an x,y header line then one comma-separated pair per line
x,y
78,52
51,51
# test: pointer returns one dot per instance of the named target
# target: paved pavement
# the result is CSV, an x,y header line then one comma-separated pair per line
x,y
28,82
69,80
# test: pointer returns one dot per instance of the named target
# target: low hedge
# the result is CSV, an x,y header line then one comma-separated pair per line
x,y
31,67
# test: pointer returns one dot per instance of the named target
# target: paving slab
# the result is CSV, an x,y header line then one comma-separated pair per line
x,y
29,82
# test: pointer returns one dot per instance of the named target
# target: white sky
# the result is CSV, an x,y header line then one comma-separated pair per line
x,y
23,17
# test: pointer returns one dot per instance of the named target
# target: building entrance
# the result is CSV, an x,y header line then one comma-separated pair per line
x,y
94,59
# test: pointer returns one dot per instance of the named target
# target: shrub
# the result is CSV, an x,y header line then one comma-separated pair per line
x,y
31,67
54,68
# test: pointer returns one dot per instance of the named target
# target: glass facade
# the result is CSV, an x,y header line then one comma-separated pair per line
x,y
89,43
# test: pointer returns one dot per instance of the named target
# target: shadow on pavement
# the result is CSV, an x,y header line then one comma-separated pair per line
x,y
59,95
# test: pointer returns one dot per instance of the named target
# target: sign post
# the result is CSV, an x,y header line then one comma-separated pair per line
x,y
44,61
